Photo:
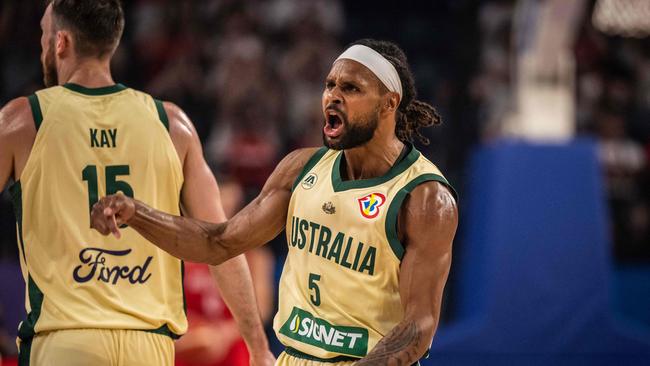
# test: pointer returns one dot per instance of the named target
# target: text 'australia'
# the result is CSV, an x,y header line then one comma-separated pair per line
x,y
337,247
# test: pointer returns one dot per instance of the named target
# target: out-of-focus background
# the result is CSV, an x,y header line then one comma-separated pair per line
x,y
546,135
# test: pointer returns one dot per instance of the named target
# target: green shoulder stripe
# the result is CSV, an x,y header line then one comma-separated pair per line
x,y
309,165
36,110
393,209
162,114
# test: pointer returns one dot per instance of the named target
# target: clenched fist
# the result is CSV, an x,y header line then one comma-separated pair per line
x,y
111,212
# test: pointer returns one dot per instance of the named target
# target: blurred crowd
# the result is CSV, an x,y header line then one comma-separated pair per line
x,y
250,76
612,107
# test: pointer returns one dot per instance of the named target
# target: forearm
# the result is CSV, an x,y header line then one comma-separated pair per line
x,y
235,283
405,344
182,237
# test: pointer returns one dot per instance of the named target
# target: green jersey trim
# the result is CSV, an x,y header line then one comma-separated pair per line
x,y
26,330
35,296
397,169
24,352
36,110
393,209
162,114
295,353
309,165
164,330
17,200
105,90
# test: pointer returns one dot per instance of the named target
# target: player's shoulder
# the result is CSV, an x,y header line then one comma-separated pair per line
x,y
179,122
295,161
302,154
181,129
432,197
16,117
291,166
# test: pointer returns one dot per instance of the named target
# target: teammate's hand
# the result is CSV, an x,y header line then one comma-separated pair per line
x,y
110,212
262,358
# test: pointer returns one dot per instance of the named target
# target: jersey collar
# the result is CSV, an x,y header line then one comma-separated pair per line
x,y
104,90
397,169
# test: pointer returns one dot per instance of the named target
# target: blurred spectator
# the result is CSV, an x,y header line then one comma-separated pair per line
x,y
612,105
623,162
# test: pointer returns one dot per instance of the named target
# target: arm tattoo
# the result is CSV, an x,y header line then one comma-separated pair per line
x,y
399,347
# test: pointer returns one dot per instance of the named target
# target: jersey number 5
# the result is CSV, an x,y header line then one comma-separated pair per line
x,y
315,295
89,174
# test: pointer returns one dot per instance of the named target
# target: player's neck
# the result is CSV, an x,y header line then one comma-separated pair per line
x,y
373,159
90,73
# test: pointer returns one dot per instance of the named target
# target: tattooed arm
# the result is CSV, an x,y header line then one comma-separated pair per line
x,y
426,225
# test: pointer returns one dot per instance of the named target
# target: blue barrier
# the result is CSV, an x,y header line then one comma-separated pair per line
x,y
533,270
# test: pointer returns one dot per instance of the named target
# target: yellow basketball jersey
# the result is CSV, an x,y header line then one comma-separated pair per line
x,y
339,291
90,143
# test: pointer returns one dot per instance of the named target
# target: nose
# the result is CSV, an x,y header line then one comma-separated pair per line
x,y
333,96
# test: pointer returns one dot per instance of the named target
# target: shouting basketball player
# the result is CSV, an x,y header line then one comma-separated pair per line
x,y
92,300
369,222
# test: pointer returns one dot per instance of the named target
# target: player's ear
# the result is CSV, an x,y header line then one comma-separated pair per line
x,y
63,43
391,102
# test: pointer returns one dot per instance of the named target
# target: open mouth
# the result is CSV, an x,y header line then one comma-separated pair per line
x,y
333,123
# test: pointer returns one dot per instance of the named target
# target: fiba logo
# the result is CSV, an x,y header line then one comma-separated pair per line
x,y
369,205
309,182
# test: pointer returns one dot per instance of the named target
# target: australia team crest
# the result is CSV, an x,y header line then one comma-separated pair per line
x,y
370,204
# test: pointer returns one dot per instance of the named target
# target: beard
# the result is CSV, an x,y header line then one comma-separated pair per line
x,y
50,77
355,134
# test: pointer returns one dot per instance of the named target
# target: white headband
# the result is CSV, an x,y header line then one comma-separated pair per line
x,y
373,60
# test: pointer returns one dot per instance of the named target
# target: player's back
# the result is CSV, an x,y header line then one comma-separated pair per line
x,y
90,143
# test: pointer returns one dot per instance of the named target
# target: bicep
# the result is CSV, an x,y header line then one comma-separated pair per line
x,y
428,221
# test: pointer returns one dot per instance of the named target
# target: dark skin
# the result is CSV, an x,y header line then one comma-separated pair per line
x,y
427,220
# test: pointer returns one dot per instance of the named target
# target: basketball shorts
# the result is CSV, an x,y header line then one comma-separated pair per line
x,y
97,347
292,357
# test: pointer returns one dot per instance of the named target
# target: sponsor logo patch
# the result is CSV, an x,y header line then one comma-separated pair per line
x,y
304,327
96,264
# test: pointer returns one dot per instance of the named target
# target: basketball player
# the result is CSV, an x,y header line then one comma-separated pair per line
x,y
93,300
369,223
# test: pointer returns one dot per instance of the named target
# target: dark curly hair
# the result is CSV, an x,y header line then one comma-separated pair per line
x,y
412,114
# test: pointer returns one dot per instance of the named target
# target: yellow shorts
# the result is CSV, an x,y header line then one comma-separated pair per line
x,y
98,347
293,358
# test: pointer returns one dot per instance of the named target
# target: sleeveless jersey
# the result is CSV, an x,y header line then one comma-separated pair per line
x,y
91,143
339,290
